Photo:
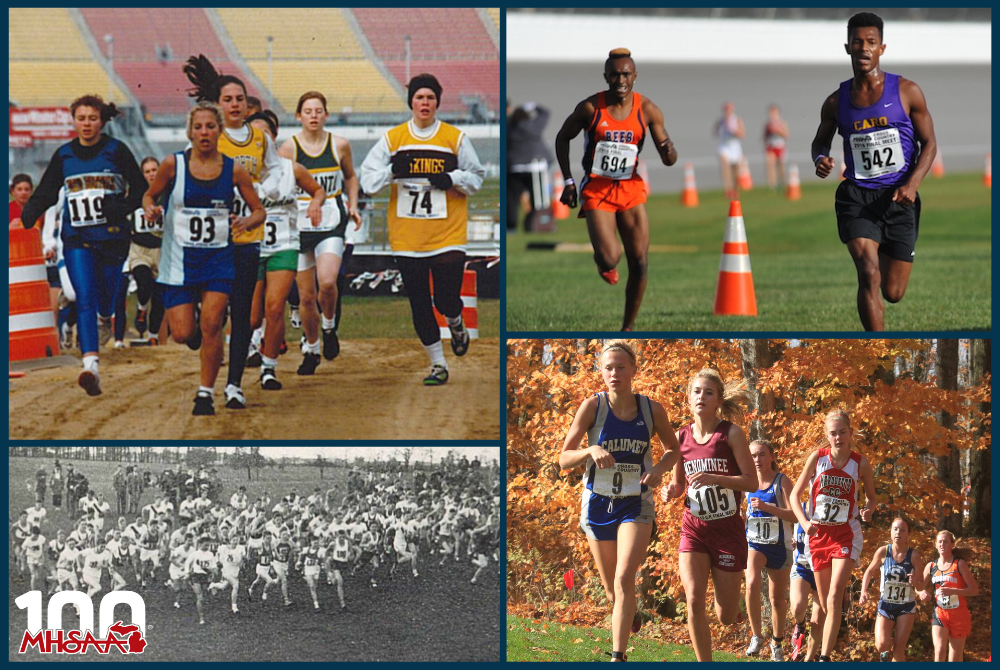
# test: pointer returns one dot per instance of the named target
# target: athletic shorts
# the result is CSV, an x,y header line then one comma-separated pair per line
x,y
176,572
777,152
33,560
724,540
731,150
871,214
611,195
958,621
149,555
138,255
311,571
174,296
92,579
287,260
202,578
66,576
230,574
843,541
52,274
890,610
805,574
312,245
778,555
280,568
264,571
600,516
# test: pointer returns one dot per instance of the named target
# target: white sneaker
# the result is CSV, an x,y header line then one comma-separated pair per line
x,y
65,337
104,330
296,319
776,652
119,344
235,398
755,645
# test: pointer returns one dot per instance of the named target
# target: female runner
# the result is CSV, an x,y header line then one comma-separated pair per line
x,y
433,169
144,262
617,508
953,583
197,256
831,477
769,536
103,185
328,158
715,463
802,583
897,605
256,153
279,253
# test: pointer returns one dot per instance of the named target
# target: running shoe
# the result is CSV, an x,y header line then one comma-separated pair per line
x,y
755,645
777,653
885,656
459,339
235,398
203,405
90,382
154,341
141,322
798,638
296,319
253,355
105,329
268,380
611,276
119,344
331,344
637,621
437,377
66,337
309,365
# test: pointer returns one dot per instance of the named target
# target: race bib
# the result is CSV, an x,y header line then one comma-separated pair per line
x,y
277,233
202,228
420,201
619,481
142,226
763,529
711,502
86,208
830,511
340,555
615,160
877,154
897,593
331,217
947,602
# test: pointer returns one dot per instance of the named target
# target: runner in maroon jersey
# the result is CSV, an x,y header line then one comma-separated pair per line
x,y
715,464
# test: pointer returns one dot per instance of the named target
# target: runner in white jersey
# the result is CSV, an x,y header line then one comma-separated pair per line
x,y
200,565
95,561
231,556
311,562
55,548
405,551
338,556
66,566
34,555
178,567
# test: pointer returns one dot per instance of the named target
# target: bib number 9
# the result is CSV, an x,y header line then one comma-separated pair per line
x,y
619,481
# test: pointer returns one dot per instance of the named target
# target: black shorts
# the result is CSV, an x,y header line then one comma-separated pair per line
x,y
871,214
52,274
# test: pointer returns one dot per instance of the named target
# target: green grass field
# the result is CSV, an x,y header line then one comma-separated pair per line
x,y
803,276
529,641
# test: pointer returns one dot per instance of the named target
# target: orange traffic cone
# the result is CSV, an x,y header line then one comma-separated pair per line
x,y
734,294
794,190
745,180
689,196
559,210
937,168
643,172
988,175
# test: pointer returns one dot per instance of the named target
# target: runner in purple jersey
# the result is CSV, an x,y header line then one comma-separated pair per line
x,y
889,146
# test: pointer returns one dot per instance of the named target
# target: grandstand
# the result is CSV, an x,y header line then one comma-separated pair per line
x,y
958,14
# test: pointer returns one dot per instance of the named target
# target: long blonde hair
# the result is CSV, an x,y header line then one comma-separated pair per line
x,y
733,394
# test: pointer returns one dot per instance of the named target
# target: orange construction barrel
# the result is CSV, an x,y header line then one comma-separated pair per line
x,y
470,307
32,326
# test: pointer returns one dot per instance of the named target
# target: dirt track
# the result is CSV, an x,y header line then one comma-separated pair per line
x,y
372,391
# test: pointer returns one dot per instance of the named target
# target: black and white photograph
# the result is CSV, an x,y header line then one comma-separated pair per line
x,y
259,553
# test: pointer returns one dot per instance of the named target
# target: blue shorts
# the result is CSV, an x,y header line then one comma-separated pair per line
x,y
174,296
778,555
891,611
805,574
600,516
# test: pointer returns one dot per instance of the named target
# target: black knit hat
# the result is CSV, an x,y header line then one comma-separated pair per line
x,y
423,81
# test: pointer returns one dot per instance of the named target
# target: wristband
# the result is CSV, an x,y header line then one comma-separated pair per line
x,y
569,182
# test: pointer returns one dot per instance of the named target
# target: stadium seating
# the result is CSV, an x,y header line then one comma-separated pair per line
x,y
299,34
458,79
150,47
494,13
356,84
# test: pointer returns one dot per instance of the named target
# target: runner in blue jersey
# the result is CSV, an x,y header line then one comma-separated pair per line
x,y
889,146
103,186
802,583
196,263
617,510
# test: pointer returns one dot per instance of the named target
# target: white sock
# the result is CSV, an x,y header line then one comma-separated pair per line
x,y
269,362
329,324
206,389
457,321
144,307
311,347
257,336
90,363
436,353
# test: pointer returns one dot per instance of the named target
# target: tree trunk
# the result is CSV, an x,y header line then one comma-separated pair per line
x,y
948,468
758,355
979,460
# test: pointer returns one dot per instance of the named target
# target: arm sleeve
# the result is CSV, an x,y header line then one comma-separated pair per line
x,y
270,183
49,235
137,185
376,171
47,192
468,178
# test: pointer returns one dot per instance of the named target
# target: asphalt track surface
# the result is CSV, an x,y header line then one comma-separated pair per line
x,y
959,99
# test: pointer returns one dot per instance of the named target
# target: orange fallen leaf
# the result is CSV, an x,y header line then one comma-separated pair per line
x,y
578,640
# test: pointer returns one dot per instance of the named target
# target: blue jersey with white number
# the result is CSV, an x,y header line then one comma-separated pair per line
x,y
628,442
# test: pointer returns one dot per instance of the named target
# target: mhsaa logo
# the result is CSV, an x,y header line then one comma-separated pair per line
x,y
131,638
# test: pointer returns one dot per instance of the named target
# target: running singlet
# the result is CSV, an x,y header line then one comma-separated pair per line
x,y
146,234
86,184
325,169
833,495
950,578
250,155
896,588
610,147
879,147
800,553
341,551
628,443
763,528
280,230
708,503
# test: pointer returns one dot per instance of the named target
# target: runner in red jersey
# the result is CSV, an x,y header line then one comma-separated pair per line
x,y
614,197
832,476
715,465
953,583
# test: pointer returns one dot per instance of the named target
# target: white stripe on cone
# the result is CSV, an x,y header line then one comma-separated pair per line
x,y
734,263
26,273
18,323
